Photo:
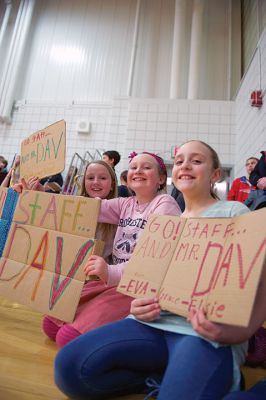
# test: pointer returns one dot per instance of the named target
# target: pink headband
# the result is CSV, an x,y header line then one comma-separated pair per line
x,y
157,158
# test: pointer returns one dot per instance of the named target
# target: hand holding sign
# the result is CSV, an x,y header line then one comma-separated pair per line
x,y
209,263
97,266
145,309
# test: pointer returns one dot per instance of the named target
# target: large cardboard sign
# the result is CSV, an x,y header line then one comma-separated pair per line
x,y
43,152
49,242
213,263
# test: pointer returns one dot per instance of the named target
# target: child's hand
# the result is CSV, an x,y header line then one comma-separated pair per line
x,y
20,186
17,187
261,184
34,184
203,326
97,266
145,309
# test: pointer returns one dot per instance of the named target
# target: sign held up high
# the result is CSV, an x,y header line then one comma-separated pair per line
x,y
214,263
43,152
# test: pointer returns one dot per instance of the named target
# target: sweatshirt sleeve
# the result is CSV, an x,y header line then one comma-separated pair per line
x,y
115,273
232,191
110,211
166,205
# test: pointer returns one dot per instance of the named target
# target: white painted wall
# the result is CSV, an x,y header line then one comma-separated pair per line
x,y
129,124
253,24
81,50
156,125
251,121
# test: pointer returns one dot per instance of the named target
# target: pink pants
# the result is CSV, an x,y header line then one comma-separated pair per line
x,y
60,334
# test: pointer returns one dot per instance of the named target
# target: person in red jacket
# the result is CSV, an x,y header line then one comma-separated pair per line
x,y
241,187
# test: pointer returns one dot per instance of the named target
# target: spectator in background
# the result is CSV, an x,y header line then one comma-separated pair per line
x,y
179,198
111,157
257,197
123,190
3,170
258,174
13,175
257,344
241,187
3,164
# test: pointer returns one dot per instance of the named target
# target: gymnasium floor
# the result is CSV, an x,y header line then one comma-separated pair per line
x,y
26,357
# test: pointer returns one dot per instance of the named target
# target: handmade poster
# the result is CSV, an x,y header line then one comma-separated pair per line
x,y
77,215
148,265
213,263
43,152
47,248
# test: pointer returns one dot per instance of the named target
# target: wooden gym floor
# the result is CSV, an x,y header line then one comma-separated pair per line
x,y
26,357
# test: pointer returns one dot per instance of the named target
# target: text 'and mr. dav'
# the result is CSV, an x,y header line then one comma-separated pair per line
x,y
213,263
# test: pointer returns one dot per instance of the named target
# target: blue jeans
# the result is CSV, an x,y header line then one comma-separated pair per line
x,y
257,392
117,358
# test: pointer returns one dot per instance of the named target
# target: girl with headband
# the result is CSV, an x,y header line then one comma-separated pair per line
x,y
146,178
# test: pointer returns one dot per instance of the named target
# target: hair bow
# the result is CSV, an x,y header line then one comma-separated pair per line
x,y
132,155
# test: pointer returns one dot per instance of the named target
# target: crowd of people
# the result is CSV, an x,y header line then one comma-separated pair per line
x,y
117,346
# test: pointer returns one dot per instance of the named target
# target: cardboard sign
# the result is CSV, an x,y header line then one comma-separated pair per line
x,y
71,214
42,263
213,263
43,152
